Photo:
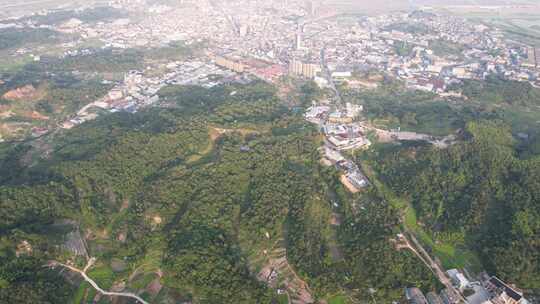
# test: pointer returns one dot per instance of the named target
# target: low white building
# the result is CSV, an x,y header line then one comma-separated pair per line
x,y
315,113
458,279
341,75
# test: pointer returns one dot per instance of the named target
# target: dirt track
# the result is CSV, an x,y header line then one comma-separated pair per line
x,y
94,284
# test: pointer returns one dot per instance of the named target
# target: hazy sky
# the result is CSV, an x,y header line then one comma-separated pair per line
x,y
359,6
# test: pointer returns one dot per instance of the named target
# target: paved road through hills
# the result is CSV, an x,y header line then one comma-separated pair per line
x,y
328,76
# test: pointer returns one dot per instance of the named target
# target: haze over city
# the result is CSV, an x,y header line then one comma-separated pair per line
x,y
359,6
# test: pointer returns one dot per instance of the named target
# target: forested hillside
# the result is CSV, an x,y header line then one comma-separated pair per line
x,y
478,193
192,202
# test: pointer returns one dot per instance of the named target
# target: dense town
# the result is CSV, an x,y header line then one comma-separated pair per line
x,y
267,40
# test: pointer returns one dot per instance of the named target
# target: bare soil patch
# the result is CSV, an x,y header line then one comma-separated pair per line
x,y
26,93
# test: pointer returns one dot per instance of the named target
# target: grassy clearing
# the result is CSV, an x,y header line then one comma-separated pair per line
x,y
143,281
80,294
90,295
523,119
10,64
103,276
338,299
450,255
283,299
454,257
213,136
153,258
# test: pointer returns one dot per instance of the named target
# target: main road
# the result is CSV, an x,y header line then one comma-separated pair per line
x,y
328,76
435,267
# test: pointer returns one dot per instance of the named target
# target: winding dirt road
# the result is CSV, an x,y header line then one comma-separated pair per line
x,y
94,284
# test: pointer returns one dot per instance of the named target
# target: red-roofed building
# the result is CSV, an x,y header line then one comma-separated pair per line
x,y
271,73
